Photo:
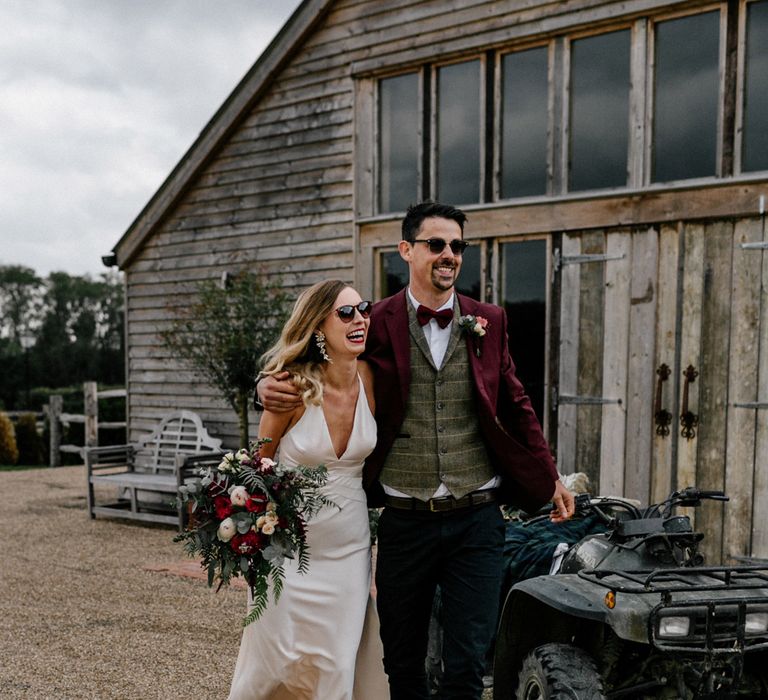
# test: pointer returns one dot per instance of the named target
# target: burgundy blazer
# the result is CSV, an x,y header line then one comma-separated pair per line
x,y
513,436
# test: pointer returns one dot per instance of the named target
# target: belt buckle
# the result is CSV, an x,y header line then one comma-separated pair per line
x,y
432,508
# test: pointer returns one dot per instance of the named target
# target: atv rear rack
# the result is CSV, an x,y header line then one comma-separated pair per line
x,y
682,579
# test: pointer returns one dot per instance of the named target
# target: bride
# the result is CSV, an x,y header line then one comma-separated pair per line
x,y
320,641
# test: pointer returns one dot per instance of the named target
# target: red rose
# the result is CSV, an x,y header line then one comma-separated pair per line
x,y
256,504
249,543
223,507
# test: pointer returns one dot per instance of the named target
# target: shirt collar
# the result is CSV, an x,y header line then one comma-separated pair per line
x,y
416,303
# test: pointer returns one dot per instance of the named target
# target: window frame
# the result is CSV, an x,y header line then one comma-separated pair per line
x,y
650,92
498,122
565,155
433,125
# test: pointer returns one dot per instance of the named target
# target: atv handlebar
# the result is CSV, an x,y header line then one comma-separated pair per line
x,y
689,497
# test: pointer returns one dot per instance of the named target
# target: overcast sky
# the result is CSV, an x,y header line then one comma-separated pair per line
x,y
99,99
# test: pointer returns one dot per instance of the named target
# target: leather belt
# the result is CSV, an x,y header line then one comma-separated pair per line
x,y
443,503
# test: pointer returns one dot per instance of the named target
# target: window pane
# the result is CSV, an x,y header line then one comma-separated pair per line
x,y
524,297
755,144
458,133
524,123
685,102
399,142
599,121
394,273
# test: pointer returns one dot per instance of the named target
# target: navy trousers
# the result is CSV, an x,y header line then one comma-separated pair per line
x,y
461,551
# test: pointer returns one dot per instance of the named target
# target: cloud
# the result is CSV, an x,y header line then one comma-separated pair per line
x,y
99,99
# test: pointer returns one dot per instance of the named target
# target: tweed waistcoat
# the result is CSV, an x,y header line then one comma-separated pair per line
x,y
440,439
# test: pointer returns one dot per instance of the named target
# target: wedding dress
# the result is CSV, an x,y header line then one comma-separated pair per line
x,y
321,639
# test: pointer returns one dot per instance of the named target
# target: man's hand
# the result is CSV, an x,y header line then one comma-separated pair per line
x,y
563,504
278,393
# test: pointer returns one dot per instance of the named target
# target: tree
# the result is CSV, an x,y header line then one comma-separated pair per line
x,y
20,290
223,335
20,303
58,331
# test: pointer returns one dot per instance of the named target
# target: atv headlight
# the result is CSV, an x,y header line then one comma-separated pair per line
x,y
756,623
674,626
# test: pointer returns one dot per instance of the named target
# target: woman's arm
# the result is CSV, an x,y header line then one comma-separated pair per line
x,y
274,426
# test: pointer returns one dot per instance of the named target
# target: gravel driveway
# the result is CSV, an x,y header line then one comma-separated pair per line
x,y
80,617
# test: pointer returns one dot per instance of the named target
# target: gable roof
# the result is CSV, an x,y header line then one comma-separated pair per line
x,y
226,119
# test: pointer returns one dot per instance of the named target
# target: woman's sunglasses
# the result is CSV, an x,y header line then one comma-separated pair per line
x,y
347,312
437,245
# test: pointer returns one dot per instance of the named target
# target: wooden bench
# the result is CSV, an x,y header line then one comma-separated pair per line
x,y
155,465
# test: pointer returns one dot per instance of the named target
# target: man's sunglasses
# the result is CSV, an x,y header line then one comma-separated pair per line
x,y
347,312
437,245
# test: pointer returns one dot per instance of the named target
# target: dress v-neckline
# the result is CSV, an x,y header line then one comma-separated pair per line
x,y
338,458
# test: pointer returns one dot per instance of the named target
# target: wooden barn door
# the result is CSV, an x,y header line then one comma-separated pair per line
x,y
658,325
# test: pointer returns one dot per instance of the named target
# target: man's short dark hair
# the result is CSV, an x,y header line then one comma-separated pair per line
x,y
416,214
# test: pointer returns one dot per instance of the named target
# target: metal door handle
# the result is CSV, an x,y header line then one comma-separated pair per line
x,y
663,417
688,419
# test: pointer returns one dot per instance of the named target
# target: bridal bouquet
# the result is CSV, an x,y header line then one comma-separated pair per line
x,y
247,516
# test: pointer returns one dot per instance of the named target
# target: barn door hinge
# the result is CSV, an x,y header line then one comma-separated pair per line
x,y
762,245
560,259
751,404
586,400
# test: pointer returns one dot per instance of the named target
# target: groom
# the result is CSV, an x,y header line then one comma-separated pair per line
x,y
456,437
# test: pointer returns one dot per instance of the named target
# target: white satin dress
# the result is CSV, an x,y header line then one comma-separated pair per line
x,y
320,641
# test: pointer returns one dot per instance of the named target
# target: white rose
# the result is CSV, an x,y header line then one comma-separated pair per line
x,y
267,462
268,528
239,496
226,463
479,330
242,455
226,530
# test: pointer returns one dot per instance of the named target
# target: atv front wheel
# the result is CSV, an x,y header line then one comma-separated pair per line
x,y
559,672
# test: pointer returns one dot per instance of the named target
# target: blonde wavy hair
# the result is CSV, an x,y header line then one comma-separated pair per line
x,y
296,351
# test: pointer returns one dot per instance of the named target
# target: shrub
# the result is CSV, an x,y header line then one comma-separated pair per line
x,y
28,440
9,453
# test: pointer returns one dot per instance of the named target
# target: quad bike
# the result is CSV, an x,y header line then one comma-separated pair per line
x,y
633,613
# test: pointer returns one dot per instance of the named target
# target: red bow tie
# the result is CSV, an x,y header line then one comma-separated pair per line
x,y
443,318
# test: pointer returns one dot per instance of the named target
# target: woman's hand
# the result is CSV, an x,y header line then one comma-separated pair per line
x,y
278,393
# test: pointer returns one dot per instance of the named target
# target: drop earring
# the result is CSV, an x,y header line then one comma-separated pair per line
x,y
320,342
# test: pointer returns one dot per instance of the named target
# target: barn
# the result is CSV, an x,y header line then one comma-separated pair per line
x,y
612,158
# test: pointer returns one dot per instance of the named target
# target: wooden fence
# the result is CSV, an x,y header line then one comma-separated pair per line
x,y
90,418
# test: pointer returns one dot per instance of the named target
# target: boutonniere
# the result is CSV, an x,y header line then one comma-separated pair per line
x,y
474,326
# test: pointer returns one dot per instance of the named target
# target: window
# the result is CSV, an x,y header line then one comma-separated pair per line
x,y
399,147
599,111
523,290
686,98
755,133
524,117
458,133
579,113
